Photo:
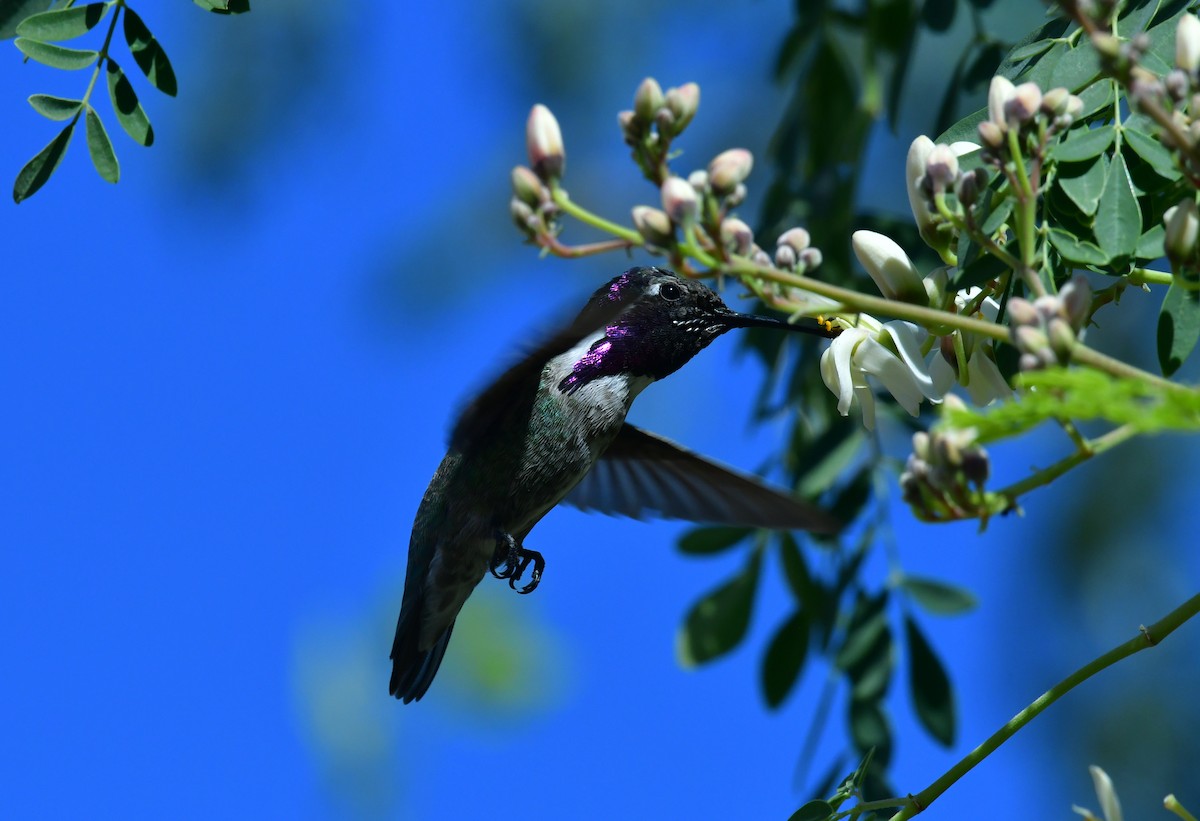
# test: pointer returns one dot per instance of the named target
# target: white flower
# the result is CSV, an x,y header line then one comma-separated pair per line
x,y
1109,805
894,273
984,382
861,351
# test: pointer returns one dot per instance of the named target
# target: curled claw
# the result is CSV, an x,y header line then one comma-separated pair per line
x,y
510,561
504,561
539,566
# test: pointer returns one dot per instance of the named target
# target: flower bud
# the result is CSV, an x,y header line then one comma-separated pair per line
x,y
785,257
527,187
976,466
648,100
543,140
991,135
1029,339
682,102
759,257
699,180
797,237
1182,226
968,187
1177,84
811,258
737,197
914,170
999,93
941,167
679,200
1022,312
630,128
736,236
1054,101
890,268
1074,106
920,441
1187,43
728,169
522,216
1062,338
654,226
1076,297
1025,102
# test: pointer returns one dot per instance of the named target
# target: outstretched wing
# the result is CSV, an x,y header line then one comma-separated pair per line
x,y
512,393
643,475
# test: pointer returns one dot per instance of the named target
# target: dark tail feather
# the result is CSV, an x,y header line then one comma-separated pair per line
x,y
413,669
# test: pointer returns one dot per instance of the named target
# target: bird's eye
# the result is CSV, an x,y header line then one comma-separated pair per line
x,y
670,291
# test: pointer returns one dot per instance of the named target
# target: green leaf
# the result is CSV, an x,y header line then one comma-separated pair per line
x,y
225,6
1086,144
866,652
932,694
1178,326
870,730
62,24
38,170
828,459
784,658
794,568
1030,50
126,106
1150,246
1079,394
938,15
1078,251
718,622
813,811
1118,217
704,541
1153,152
48,54
55,108
965,129
1095,98
100,147
1083,184
939,598
149,55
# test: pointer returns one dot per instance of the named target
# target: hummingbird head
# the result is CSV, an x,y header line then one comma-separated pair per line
x,y
664,321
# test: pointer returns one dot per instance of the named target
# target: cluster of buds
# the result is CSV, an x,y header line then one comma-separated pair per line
x,y
944,476
532,208
1045,330
1178,95
655,120
1024,109
931,171
668,113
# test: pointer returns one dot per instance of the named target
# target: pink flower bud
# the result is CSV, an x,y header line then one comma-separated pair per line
x,y
543,140
728,169
679,200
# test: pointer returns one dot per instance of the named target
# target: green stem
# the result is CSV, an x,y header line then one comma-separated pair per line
x,y
1148,276
1087,449
1147,637
103,55
852,301
563,201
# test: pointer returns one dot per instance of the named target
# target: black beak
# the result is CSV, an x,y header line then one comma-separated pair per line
x,y
804,326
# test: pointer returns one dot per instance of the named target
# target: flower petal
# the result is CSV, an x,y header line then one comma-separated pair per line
x,y
985,383
908,346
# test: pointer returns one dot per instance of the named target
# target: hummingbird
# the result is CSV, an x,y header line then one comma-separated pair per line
x,y
552,429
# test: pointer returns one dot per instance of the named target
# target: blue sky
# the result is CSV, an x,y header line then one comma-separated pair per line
x,y
227,381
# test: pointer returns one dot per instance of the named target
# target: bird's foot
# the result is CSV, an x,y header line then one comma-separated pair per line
x,y
511,560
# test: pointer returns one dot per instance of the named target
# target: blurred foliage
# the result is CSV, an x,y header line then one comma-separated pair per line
x,y
38,36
